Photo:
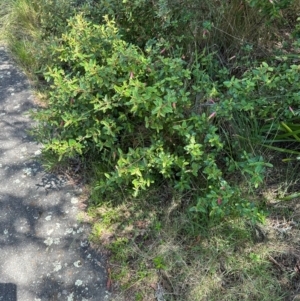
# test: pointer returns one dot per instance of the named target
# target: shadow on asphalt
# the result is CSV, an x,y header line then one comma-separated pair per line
x,y
45,254
8,292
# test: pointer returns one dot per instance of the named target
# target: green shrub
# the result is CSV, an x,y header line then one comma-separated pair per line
x,y
148,115
137,112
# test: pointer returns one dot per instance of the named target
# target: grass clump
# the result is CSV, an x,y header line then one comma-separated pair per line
x,y
156,245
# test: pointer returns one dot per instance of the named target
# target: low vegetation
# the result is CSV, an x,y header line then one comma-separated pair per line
x,y
184,116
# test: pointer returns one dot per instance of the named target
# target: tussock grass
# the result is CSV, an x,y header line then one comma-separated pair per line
x,y
150,245
28,28
20,31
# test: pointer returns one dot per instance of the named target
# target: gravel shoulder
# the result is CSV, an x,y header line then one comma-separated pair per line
x,y
44,250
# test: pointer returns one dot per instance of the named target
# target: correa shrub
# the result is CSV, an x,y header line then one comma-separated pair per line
x,y
147,115
133,109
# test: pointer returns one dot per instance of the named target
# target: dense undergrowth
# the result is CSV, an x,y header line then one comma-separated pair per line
x,y
177,109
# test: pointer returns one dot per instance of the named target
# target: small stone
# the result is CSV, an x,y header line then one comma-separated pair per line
x,y
74,200
84,244
70,297
50,232
69,231
77,264
38,152
80,230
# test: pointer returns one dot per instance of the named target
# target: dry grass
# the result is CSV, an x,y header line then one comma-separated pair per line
x,y
151,248
154,242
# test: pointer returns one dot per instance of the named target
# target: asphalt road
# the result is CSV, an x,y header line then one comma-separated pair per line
x,y
44,251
